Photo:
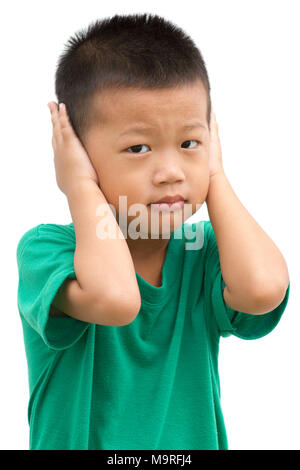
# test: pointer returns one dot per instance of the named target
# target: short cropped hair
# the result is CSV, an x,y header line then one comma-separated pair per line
x,y
125,51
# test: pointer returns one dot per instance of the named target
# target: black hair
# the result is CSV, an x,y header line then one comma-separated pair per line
x,y
125,51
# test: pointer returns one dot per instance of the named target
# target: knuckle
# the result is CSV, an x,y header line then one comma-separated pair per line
x,y
65,133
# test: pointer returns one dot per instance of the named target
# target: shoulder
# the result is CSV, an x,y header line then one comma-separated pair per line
x,y
49,232
56,230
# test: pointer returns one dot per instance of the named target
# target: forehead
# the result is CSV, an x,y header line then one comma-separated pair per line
x,y
119,107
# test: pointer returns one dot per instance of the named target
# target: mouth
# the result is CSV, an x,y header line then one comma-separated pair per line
x,y
164,205
169,199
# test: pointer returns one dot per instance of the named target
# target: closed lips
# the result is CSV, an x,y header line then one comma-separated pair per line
x,y
169,199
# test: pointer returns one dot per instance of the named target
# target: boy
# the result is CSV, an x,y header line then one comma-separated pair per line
x,y
122,333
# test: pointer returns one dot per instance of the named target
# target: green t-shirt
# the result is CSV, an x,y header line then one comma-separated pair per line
x,y
151,384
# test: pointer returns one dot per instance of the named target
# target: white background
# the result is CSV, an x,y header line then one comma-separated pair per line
x,y
251,49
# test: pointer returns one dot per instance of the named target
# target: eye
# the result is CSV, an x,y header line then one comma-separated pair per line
x,y
191,141
136,147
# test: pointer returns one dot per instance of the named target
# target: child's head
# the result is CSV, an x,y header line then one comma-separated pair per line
x,y
131,71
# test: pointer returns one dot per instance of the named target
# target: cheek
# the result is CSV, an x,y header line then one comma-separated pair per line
x,y
197,184
119,191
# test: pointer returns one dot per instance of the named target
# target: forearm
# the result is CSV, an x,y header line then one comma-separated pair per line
x,y
250,261
102,266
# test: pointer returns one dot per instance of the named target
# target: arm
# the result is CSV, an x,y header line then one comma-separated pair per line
x,y
105,290
73,301
104,267
253,268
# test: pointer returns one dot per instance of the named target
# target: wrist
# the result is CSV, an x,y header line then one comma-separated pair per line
x,y
81,185
214,182
217,174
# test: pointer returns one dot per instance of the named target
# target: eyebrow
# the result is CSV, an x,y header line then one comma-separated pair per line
x,y
148,129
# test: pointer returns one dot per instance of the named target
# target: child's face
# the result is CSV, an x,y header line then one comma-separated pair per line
x,y
161,166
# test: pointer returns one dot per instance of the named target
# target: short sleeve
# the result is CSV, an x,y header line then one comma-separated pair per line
x,y
229,321
45,259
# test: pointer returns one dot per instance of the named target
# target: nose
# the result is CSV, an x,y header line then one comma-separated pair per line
x,y
169,171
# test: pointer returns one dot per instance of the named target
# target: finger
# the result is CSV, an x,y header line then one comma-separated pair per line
x,y
211,119
65,124
55,119
52,107
213,116
54,144
214,124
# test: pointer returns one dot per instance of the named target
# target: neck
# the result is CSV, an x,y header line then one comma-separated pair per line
x,y
144,249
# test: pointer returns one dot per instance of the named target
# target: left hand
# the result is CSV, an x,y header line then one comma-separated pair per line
x,y
215,153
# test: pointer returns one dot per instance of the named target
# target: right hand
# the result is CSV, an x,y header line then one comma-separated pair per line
x,y
72,163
